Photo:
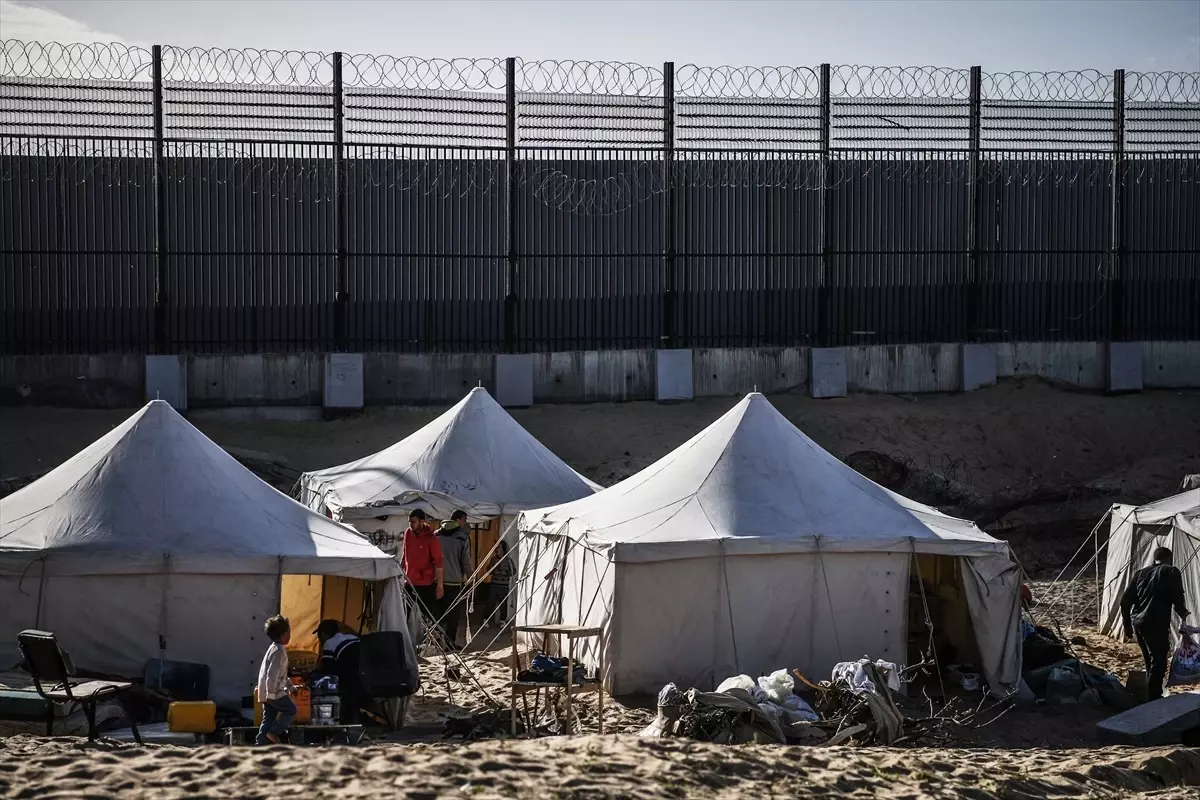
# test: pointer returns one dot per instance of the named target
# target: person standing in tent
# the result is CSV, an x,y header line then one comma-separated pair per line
x,y
422,564
1146,613
459,568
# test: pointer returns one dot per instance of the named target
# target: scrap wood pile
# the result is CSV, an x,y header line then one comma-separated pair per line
x,y
856,706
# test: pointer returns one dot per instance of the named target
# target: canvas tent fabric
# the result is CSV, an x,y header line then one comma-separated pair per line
x,y
1135,532
154,542
756,549
474,457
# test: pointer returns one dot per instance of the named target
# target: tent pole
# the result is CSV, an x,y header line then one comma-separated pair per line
x,y
937,664
1096,542
737,661
37,614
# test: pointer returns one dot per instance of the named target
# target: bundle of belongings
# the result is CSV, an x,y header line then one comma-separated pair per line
x,y
1185,665
856,701
1071,681
1040,646
552,669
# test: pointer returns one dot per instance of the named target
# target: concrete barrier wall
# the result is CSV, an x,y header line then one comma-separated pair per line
x,y
267,379
904,369
80,381
1081,364
224,381
734,371
593,376
401,379
1171,365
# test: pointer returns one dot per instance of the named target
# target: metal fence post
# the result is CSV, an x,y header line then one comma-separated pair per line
x,y
341,298
670,332
823,301
510,157
1116,276
974,287
161,298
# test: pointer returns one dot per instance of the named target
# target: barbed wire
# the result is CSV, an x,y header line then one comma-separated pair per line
x,y
588,77
1078,86
429,74
1151,87
908,83
98,62
307,68
799,83
249,66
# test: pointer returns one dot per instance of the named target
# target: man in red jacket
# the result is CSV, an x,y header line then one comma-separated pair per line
x,y
423,563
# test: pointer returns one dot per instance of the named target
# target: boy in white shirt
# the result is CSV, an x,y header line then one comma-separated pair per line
x,y
274,688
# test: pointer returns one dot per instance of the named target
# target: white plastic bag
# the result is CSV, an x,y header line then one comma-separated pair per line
x,y
777,686
1185,665
744,682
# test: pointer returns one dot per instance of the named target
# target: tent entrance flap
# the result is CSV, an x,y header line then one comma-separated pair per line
x,y
307,599
949,628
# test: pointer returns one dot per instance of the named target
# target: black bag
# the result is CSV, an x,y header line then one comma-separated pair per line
x,y
383,665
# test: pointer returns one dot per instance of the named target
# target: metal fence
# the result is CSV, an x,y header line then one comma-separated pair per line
x,y
179,199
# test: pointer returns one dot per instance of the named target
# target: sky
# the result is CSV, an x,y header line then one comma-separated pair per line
x,y
1001,36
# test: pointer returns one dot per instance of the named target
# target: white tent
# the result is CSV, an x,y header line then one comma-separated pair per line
x,y
474,457
748,549
154,542
1134,534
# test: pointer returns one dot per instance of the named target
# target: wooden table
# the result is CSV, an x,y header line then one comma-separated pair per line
x,y
571,632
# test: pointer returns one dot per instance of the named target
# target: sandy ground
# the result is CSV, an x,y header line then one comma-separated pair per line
x,y
582,767
1019,436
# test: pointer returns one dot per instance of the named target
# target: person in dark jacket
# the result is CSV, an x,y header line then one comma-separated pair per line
x,y
1146,613
458,567
340,657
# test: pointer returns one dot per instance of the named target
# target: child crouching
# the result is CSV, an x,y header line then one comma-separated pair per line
x,y
274,688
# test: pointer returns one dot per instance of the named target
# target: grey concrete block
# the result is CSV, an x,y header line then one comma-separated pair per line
x,y
514,379
1073,363
903,368
166,379
343,380
673,375
1159,722
255,379
1124,367
74,381
1171,365
828,372
978,366
734,371
593,375
401,379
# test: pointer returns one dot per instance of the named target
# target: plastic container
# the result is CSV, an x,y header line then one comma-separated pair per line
x,y
326,709
195,716
302,699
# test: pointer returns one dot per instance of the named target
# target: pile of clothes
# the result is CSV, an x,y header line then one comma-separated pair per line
x,y
856,700
552,669
1071,681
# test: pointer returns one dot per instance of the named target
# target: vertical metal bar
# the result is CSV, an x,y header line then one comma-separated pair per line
x,y
823,301
510,157
1116,277
341,298
974,287
669,334
161,345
